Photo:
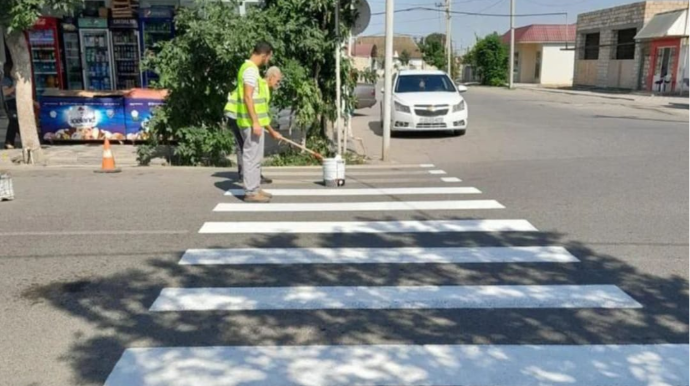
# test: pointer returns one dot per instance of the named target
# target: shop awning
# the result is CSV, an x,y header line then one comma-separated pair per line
x,y
666,24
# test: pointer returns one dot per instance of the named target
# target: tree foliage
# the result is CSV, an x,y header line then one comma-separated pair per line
x,y
199,66
404,57
433,50
489,58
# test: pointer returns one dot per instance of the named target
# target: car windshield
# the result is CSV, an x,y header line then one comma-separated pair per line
x,y
424,83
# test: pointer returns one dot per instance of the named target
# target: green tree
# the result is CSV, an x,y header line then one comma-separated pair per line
x,y
16,17
404,57
433,50
200,64
489,58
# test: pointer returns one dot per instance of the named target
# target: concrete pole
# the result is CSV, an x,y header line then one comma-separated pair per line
x,y
449,47
338,97
685,49
511,60
388,81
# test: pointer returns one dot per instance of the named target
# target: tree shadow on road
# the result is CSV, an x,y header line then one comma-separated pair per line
x,y
118,305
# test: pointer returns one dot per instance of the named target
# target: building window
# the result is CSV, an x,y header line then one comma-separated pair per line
x,y
625,43
592,46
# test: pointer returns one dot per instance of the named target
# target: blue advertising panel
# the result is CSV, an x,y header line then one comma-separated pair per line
x,y
82,119
138,112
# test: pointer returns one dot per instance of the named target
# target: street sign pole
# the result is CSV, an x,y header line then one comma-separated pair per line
x,y
388,81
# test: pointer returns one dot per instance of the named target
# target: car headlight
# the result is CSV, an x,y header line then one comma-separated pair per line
x,y
459,107
402,108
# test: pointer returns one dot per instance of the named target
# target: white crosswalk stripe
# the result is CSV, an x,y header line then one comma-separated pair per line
x,y
405,365
431,226
398,297
240,256
389,365
363,191
360,206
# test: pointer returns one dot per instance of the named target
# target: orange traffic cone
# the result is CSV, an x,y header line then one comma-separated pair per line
x,y
108,165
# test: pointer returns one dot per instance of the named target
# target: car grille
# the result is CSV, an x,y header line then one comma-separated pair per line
x,y
423,110
431,125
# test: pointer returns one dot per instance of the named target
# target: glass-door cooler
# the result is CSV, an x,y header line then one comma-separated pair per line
x,y
125,42
45,55
97,58
72,56
156,25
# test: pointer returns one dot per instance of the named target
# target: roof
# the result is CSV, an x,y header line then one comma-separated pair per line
x,y
420,72
543,33
665,24
362,50
400,44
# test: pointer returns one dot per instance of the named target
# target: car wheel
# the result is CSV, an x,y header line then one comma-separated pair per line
x,y
459,133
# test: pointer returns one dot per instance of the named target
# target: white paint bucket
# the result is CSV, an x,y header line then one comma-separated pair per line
x,y
334,171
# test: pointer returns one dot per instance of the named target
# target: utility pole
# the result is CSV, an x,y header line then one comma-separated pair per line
x,y
511,62
449,47
686,50
388,81
338,98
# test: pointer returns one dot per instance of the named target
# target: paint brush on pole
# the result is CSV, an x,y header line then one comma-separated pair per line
x,y
315,154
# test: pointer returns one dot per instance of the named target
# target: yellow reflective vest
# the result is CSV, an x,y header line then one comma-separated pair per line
x,y
235,105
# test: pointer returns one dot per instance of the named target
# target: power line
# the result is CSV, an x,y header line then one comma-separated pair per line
x,y
475,13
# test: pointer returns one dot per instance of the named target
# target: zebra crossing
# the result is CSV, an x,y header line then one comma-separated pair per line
x,y
389,364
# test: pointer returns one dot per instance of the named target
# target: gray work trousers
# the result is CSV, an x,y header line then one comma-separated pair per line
x,y
239,142
252,155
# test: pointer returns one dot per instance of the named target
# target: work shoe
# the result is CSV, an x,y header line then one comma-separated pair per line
x,y
257,198
265,193
266,180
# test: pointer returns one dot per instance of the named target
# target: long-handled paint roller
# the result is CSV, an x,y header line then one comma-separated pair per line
x,y
312,152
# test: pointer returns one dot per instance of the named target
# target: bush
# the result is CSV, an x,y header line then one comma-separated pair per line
x,y
200,64
489,56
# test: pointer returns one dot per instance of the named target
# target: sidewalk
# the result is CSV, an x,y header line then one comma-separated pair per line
x,y
634,96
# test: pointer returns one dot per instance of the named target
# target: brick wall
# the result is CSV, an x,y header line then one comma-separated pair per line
x,y
609,71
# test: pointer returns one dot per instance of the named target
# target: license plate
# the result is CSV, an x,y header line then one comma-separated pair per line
x,y
431,120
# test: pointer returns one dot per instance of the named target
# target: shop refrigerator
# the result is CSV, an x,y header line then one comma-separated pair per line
x,y
125,41
71,54
46,63
97,56
155,25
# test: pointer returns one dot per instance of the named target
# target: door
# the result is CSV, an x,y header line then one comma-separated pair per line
x,y
516,68
663,70
73,70
537,67
96,59
126,57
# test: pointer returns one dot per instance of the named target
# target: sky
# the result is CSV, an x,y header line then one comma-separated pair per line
x,y
464,27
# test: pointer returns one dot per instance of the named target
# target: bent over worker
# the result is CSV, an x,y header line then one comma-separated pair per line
x,y
252,116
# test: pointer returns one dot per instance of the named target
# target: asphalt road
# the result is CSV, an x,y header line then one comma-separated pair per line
x,y
83,256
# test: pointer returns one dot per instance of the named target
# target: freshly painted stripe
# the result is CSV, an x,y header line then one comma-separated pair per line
x,y
404,365
437,172
362,180
241,256
381,206
398,297
362,191
432,226
352,173
365,166
450,179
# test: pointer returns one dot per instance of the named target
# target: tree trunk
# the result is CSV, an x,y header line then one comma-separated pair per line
x,y
21,73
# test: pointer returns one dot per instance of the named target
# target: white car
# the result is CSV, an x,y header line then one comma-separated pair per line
x,y
427,101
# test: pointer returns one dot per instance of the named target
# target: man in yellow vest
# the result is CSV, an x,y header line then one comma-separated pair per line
x,y
252,116
271,80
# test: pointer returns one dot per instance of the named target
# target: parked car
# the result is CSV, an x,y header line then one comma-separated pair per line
x,y
427,101
366,95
